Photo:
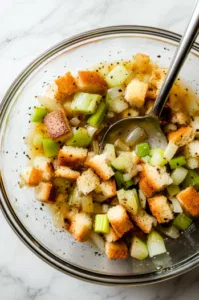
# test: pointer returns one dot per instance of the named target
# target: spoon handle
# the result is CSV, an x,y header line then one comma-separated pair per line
x,y
177,62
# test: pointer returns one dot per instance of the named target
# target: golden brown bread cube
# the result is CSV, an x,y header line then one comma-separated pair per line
x,y
182,136
43,192
111,236
72,156
189,199
153,179
81,226
32,176
91,82
57,125
66,86
135,93
99,165
143,220
160,209
117,250
67,173
119,220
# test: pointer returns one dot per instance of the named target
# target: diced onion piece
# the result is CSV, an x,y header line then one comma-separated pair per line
x,y
115,92
170,150
138,249
75,121
157,157
171,231
155,244
117,105
170,127
91,130
193,163
178,175
127,176
155,222
138,135
98,241
48,103
142,198
177,208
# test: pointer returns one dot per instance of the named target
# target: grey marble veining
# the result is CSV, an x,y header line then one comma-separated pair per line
x,y
29,27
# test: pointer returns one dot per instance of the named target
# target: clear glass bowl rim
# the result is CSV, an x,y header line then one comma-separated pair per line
x,y
6,207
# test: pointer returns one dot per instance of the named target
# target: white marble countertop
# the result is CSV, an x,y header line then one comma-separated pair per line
x,y
28,27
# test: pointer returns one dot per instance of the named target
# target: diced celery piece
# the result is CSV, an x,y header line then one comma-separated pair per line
x,y
101,223
129,199
80,138
143,149
171,231
85,103
121,183
75,198
146,158
61,185
173,189
109,151
138,249
177,162
38,114
170,150
37,140
182,221
97,118
192,179
51,148
178,175
117,105
155,244
122,162
117,76
87,204
157,158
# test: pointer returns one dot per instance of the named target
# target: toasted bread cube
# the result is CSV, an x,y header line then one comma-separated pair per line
x,y
108,188
135,93
117,250
141,62
67,173
91,82
189,199
119,220
57,125
66,85
99,165
160,209
111,236
182,136
43,192
143,220
81,226
31,176
153,179
192,149
179,114
155,83
45,165
72,156
87,182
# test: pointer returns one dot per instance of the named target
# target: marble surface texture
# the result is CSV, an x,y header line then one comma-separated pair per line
x,y
28,27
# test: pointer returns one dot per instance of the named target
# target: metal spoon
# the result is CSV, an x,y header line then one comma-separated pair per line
x,y
150,124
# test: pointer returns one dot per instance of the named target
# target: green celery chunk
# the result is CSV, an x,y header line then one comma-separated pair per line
x,y
80,138
157,157
178,175
38,114
192,179
177,162
101,223
146,158
173,189
85,103
75,199
117,76
62,185
138,249
51,148
121,183
182,221
97,118
155,244
143,149
129,199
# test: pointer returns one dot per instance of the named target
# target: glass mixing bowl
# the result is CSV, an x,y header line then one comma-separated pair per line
x,y
32,222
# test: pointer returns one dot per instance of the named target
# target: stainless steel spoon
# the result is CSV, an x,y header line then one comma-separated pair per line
x,y
150,124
